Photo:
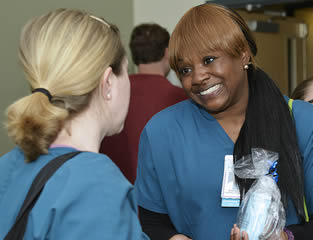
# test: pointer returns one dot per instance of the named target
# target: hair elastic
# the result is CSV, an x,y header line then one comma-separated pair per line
x,y
44,91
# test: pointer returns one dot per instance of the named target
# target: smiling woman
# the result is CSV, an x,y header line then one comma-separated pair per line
x,y
234,107
215,82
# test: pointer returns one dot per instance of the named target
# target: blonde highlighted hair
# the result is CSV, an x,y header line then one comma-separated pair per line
x,y
210,27
65,52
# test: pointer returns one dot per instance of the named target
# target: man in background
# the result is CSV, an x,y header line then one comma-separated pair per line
x,y
150,93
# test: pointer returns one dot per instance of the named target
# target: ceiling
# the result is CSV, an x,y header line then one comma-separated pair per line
x,y
286,5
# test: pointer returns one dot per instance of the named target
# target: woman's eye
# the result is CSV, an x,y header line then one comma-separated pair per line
x,y
208,60
183,71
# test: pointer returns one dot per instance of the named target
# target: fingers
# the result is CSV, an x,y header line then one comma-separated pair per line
x,y
235,234
245,236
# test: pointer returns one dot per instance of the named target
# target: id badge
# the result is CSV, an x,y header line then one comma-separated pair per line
x,y
230,191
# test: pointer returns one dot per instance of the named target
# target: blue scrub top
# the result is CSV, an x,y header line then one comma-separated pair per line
x,y
181,165
87,198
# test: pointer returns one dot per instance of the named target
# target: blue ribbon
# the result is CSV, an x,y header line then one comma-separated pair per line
x,y
273,171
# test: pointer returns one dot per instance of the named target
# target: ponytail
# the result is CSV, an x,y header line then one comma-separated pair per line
x,y
33,124
269,125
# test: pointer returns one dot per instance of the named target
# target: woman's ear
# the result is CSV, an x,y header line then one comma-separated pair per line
x,y
106,84
245,57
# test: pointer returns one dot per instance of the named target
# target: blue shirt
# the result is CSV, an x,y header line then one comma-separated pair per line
x,y
181,165
86,198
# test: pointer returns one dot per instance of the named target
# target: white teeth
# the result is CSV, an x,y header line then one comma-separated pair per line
x,y
210,90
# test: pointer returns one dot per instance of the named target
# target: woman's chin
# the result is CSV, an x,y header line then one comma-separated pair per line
x,y
120,129
116,130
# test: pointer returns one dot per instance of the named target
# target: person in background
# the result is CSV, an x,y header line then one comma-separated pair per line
x,y
234,107
150,93
304,91
76,68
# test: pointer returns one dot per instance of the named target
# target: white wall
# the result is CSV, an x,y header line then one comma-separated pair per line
x,y
164,12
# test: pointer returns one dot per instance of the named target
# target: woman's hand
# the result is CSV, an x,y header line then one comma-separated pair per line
x,y
180,237
235,234
283,236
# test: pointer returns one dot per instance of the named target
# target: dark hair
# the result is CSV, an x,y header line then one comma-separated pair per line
x,y
302,89
148,43
269,125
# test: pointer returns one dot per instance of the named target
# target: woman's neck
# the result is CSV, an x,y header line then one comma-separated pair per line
x,y
83,132
233,118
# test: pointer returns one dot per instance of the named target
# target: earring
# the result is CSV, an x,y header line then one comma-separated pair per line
x,y
109,95
246,67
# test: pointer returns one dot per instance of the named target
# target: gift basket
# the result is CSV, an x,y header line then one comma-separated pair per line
x,y
261,213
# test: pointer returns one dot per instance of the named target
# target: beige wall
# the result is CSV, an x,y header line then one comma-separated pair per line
x,y
164,12
285,64
13,15
307,16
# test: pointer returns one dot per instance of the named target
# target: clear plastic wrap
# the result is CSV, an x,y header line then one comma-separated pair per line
x,y
261,213
255,165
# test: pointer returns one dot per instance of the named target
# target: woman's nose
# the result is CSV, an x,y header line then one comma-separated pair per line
x,y
200,73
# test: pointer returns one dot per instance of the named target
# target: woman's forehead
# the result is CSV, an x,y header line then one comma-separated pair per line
x,y
197,54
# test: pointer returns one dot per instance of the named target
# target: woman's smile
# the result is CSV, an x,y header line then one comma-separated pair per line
x,y
213,90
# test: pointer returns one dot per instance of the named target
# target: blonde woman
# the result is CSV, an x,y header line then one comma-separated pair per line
x,y
76,67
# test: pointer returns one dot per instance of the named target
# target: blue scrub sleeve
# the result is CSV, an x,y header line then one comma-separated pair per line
x,y
305,231
147,185
303,115
308,173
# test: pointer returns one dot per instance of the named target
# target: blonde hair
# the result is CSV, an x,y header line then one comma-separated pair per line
x,y
210,27
65,52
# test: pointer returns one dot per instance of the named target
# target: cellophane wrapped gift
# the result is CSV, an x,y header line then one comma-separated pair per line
x,y
261,213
